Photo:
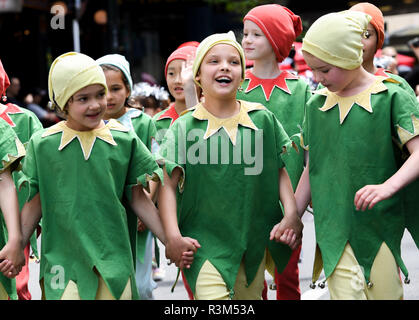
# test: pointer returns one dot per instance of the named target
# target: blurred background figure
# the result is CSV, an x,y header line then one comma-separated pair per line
x,y
36,102
151,98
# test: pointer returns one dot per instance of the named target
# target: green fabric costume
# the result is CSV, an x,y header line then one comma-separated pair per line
x,y
163,120
25,123
230,192
11,152
82,178
143,125
411,191
350,143
285,96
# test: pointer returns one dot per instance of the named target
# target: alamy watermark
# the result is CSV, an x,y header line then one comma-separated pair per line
x,y
58,20
192,148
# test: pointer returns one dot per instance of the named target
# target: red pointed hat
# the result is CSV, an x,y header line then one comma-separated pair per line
x,y
180,53
4,80
279,24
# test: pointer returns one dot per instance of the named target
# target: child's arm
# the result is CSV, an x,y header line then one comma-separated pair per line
x,y
370,195
303,192
12,252
31,215
176,245
289,230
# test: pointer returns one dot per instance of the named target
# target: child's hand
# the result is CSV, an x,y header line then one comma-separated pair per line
x,y
13,259
289,231
180,250
187,73
370,195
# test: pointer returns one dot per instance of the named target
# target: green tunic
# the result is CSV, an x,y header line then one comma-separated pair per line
x,y
411,191
163,120
350,143
11,152
143,125
286,96
25,123
82,178
230,192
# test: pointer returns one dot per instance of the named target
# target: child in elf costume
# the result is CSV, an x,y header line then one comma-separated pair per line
x,y
174,67
25,123
225,158
179,88
79,171
11,254
268,34
119,82
349,130
373,41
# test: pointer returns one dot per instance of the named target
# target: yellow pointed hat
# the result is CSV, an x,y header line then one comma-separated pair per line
x,y
71,72
212,40
336,38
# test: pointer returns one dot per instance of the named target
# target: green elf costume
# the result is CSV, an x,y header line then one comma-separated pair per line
x,y
85,225
350,140
11,153
143,125
229,186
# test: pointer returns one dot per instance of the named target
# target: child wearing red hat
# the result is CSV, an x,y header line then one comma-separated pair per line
x,y
268,35
184,92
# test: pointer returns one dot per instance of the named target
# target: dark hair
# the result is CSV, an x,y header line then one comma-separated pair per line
x,y
128,101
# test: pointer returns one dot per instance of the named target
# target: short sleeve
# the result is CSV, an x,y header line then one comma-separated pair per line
x,y
284,145
29,179
11,149
142,167
405,117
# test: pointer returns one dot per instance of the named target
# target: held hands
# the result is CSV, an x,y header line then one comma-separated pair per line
x,y
181,250
12,259
370,195
289,231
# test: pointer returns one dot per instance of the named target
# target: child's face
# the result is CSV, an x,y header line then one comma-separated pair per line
x,y
117,94
86,108
174,79
220,71
255,44
370,43
333,78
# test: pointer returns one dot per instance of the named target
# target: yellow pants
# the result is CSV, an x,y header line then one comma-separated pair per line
x,y
211,286
72,293
347,281
3,293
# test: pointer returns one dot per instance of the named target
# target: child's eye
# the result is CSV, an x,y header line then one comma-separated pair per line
x,y
366,34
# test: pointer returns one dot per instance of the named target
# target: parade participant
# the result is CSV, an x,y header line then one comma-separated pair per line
x,y
11,255
177,86
268,35
119,82
349,135
86,252
228,202
25,123
372,42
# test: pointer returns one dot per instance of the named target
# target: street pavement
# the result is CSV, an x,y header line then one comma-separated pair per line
x,y
163,291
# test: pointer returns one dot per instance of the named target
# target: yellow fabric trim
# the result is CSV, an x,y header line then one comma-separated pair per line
x,y
231,124
3,293
86,138
406,135
347,282
345,104
71,291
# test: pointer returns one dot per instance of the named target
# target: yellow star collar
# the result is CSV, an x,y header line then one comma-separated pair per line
x,y
86,138
231,124
363,99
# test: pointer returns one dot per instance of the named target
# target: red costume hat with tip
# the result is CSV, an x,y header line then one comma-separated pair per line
x,y
377,19
280,26
180,53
